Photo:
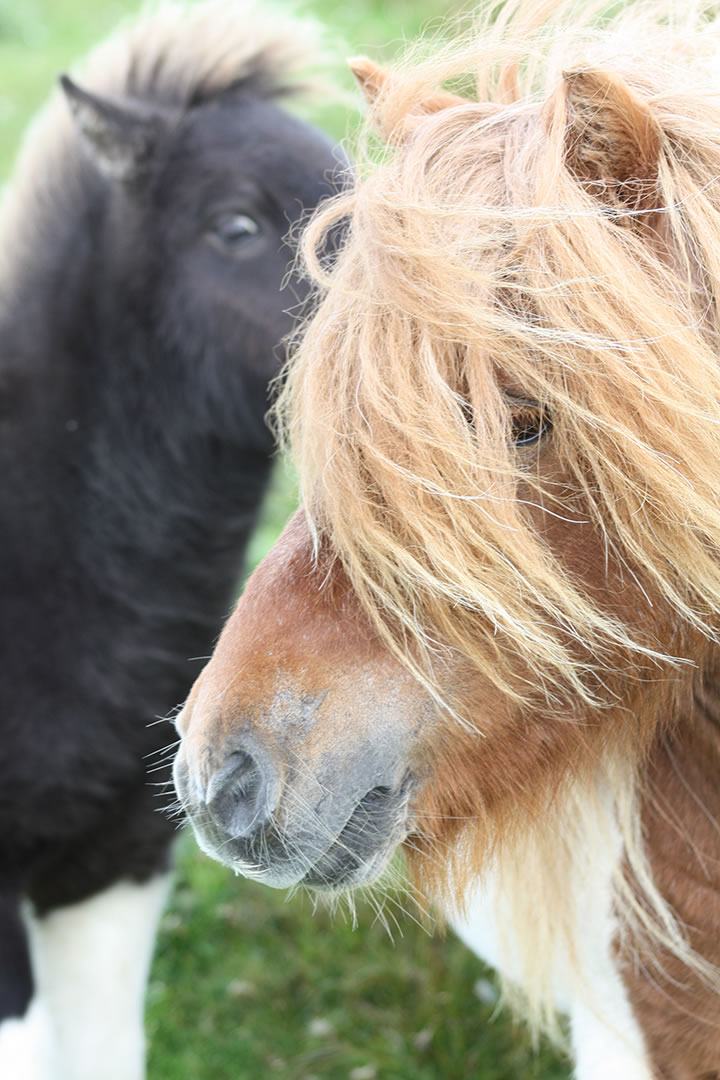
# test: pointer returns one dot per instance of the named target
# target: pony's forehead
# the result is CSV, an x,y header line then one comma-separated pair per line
x,y
452,153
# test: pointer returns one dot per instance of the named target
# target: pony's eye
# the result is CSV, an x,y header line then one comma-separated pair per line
x,y
530,424
230,231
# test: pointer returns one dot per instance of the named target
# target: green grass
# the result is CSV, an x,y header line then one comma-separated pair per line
x,y
247,984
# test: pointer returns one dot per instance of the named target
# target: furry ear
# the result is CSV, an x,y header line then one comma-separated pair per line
x,y
121,136
612,140
369,76
373,79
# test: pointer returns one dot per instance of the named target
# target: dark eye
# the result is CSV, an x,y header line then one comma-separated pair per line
x,y
230,231
530,424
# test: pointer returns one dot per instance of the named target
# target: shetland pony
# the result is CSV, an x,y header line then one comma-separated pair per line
x,y
492,634
144,287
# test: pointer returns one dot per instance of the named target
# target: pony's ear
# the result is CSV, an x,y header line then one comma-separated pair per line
x,y
369,76
373,80
612,140
121,136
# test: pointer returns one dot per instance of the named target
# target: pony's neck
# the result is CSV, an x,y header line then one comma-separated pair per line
x,y
123,464
681,818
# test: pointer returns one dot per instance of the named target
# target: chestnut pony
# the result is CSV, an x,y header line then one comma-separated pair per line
x,y
492,634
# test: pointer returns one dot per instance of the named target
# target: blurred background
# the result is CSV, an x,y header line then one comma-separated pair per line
x,y
248,983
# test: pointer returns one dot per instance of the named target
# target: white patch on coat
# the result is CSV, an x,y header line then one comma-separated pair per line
x,y
27,1045
91,963
606,1038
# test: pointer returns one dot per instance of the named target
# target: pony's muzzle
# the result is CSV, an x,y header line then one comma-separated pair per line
x,y
331,822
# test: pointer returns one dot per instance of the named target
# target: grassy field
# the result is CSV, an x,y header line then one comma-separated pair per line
x,y
247,984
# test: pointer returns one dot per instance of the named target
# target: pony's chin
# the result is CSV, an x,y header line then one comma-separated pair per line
x,y
365,873
358,855
327,875
336,871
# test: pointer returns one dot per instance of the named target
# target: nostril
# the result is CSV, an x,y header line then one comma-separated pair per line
x,y
237,795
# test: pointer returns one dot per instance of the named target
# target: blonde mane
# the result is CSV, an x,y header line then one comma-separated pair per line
x,y
481,271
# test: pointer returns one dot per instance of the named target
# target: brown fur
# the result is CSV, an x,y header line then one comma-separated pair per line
x,y
679,1013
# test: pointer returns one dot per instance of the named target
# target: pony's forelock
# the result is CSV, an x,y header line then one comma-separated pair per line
x,y
183,54
473,251
478,270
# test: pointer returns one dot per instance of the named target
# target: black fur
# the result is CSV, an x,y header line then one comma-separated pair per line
x,y
16,983
135,354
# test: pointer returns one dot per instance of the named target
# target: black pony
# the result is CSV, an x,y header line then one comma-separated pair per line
x,y
143,290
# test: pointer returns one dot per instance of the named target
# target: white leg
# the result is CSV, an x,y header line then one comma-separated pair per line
x,y
91,963
27,1045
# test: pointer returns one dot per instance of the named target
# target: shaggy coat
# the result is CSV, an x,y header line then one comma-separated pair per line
x,y
492,634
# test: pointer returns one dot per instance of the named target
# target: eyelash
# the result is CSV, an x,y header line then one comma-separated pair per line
x,y
530,424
